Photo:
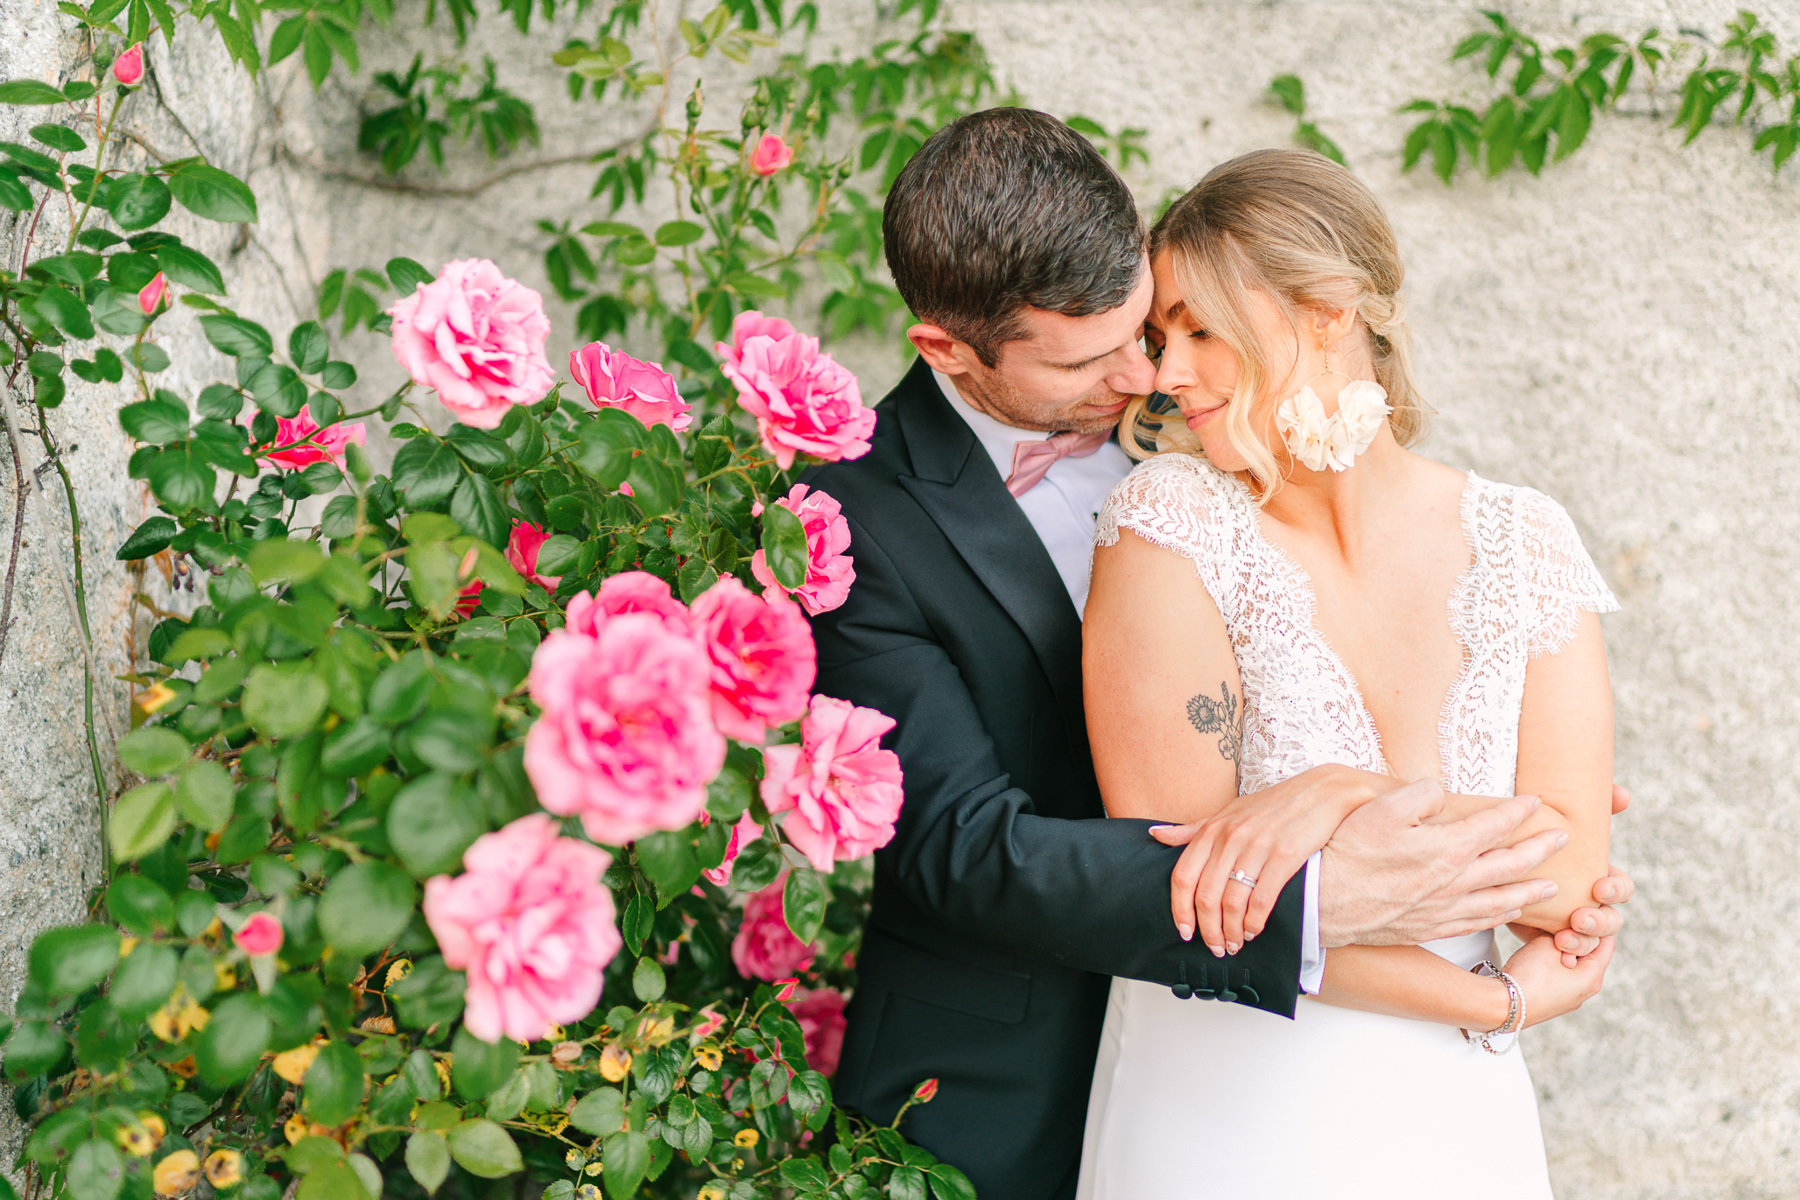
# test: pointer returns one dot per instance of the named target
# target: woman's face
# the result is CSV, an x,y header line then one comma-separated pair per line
x,y
1200,372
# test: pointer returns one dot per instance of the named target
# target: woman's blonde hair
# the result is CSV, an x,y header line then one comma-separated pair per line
x,y
1300,228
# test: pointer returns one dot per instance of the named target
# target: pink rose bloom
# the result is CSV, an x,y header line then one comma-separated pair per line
x,y
614,379
843,789
477,339
531,924
626,739
626,592
829,571
821,1016
763,661
804,402
321,445
771,154
260,935
747,325
742,834
522,553
471,599
765,948
128,68
710,1023
150,297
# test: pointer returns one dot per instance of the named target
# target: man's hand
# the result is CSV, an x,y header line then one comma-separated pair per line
x,y
1388,878
1588,926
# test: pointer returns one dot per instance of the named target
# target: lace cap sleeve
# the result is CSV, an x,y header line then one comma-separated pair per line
x,y
1561,581
1180,503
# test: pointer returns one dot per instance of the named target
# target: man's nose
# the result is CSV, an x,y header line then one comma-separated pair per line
x,y
1137,376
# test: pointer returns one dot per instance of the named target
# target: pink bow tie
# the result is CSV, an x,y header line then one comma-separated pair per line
x,y
1032,460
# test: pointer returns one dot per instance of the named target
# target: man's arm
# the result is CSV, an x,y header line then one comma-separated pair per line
x,y
970,849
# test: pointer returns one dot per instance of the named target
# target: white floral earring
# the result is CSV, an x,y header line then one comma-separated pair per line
x,y
1320,441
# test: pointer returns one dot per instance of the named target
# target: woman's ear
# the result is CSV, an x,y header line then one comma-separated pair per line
x,y
1331,327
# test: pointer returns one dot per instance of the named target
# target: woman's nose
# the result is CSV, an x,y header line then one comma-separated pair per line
x,y
1172,375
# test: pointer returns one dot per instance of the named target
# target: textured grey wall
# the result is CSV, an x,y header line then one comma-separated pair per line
x,y
1619,333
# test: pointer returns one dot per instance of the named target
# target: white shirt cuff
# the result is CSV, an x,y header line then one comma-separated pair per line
x,y
1312,950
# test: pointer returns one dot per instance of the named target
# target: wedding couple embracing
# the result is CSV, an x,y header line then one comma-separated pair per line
x,y
1206,829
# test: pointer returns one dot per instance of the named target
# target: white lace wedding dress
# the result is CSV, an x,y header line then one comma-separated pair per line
x,y
1196,1099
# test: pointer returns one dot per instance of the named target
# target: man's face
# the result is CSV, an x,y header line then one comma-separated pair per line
x,y
1065,373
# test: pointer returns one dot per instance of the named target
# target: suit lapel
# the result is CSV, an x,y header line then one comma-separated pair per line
x,y
957,486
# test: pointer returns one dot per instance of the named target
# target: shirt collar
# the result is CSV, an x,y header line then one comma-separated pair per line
x,y
996,437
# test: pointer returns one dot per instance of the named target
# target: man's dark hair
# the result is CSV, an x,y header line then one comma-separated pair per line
x,y
1003,210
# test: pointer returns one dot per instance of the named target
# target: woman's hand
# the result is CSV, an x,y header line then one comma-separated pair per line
x,y
1267,835
1550,988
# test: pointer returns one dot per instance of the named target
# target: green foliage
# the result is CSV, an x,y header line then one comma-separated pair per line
x,y
1289,92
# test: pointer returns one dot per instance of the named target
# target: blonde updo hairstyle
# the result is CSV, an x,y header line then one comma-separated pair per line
x,y
1301,229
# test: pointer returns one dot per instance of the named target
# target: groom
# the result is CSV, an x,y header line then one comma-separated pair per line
x,y
1006,902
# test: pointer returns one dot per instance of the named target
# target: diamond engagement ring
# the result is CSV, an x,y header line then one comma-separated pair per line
x,y
1247,880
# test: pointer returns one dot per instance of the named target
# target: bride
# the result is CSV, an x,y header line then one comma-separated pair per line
x,y
1312,591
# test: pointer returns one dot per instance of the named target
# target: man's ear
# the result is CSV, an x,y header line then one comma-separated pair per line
x,y
941,352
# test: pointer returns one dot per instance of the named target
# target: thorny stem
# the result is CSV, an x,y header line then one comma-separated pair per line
x,y
87,206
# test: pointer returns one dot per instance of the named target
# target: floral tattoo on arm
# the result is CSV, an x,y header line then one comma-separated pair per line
x,y
1219,716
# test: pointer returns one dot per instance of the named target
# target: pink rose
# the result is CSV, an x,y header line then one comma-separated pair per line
x,y
128,68
829,571
522,548
626,592
710,1023
821,1016
626,738
532,925
843,789
742,834
614,379
749,324
765,948
320,445
476,338
771,154
802,399
470,598
260,935
763,661
150,297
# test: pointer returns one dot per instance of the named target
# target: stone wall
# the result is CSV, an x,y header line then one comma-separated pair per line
x,y
1618,333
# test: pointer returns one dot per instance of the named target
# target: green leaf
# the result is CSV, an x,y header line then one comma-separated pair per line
x,y
338,375
69,960
426,472
218,402
366,907
95,1171
204,795
482,1148
234,1040
805,1174
64,310
308,347
59,137
278,389
627,1159
1290,92
428,1159
144,980
431,822
601,1112
803,903
190,268
237,337
29,91
406,275
333,1089
332,1181
478,1068
354,747
784,545
284,560
678,233
284,699
211,193
153,535
607,444
668,859
142,820
656,486
948,1183
476,505
33,1048
138,202
558,554
648,980
180,478
140,905
156,421
14,193
431,995
153,750
768,1083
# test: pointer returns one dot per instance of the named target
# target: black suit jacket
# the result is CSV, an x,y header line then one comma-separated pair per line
x,y
1006,900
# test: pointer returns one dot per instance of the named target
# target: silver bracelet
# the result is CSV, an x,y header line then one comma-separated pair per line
x,y
1515,1012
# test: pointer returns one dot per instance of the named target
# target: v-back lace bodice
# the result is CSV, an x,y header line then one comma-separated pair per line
x,y
1522,595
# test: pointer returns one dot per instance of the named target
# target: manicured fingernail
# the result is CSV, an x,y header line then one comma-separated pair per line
x,y
1248,938
1562,839
1185,930
1514,915
1159,828
1585,924
1547,891
1609,893
1232,947
1218,951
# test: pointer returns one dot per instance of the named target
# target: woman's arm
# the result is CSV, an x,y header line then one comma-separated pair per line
x,y
1407,981
1164,703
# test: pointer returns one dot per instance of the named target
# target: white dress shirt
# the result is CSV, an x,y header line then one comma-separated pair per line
x,y
1063,509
